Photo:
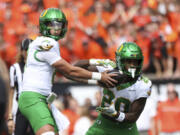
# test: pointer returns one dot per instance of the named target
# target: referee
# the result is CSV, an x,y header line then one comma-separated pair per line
x,y
22,125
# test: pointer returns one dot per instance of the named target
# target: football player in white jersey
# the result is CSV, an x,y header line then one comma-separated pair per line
x,y
42,60
121,105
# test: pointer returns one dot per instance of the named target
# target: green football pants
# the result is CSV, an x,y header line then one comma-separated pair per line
x,y
34,107
104,126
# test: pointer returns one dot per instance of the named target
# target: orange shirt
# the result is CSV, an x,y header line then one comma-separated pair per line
x,y
50,4
177,49
91,50
69,16
141,20
174,18
9,32
168,32
145,45
66,54
34,18
94,51
16,3
2,11
169,115
112,50
73,117
129,3
10,53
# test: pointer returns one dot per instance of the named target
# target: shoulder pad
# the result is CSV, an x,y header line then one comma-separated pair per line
x,y
145,79
46,45
147,84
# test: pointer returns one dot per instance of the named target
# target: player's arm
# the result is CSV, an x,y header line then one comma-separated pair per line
x,y
76,72
10,103
92,64
88,64
11,92
10,123
136,109
49,54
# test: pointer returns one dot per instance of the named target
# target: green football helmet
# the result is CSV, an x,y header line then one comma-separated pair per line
x,y
53,18
129,51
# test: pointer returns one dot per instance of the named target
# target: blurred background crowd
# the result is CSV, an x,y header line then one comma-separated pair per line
x,y
95,29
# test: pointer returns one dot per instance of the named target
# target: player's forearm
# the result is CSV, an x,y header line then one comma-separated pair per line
x,y
135,110
75,72
131,117
89,65
76,79
82,63
10,102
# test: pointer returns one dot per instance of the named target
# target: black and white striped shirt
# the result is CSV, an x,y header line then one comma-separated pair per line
x,y
16,77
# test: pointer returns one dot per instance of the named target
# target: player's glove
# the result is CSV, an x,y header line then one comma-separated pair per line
x,y
107,111
112,113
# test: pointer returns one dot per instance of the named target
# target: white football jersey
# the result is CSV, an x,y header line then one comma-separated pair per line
x,y
124,94
38,74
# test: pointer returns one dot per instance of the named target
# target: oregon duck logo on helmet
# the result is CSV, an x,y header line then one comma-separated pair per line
x,y
52,16
120,48
129,51
43,13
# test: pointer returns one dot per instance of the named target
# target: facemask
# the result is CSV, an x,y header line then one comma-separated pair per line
x,y
132,71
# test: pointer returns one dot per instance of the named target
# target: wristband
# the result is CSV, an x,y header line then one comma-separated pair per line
x,y
91,81
96,76
121,117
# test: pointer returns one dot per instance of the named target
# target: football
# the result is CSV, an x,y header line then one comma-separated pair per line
x,y
119,77
118,72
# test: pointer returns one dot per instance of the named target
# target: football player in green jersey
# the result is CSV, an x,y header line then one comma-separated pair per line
x,y
121,105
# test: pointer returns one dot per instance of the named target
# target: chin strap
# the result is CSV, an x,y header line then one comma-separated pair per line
x,y
132,71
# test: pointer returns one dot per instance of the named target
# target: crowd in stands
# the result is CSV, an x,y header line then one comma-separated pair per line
x,y
97,27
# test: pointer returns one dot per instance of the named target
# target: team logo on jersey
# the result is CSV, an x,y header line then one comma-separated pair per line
x,y
46,45
98,122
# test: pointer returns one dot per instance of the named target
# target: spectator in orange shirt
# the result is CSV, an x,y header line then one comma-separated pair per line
x,y
168,113
177,55
51,3
142,17
71,109
99,18
143,40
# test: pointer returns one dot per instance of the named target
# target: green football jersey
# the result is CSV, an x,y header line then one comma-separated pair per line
x,y
121,97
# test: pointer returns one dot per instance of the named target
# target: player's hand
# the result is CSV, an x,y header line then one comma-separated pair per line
x,y
108,80
107,111
11,126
